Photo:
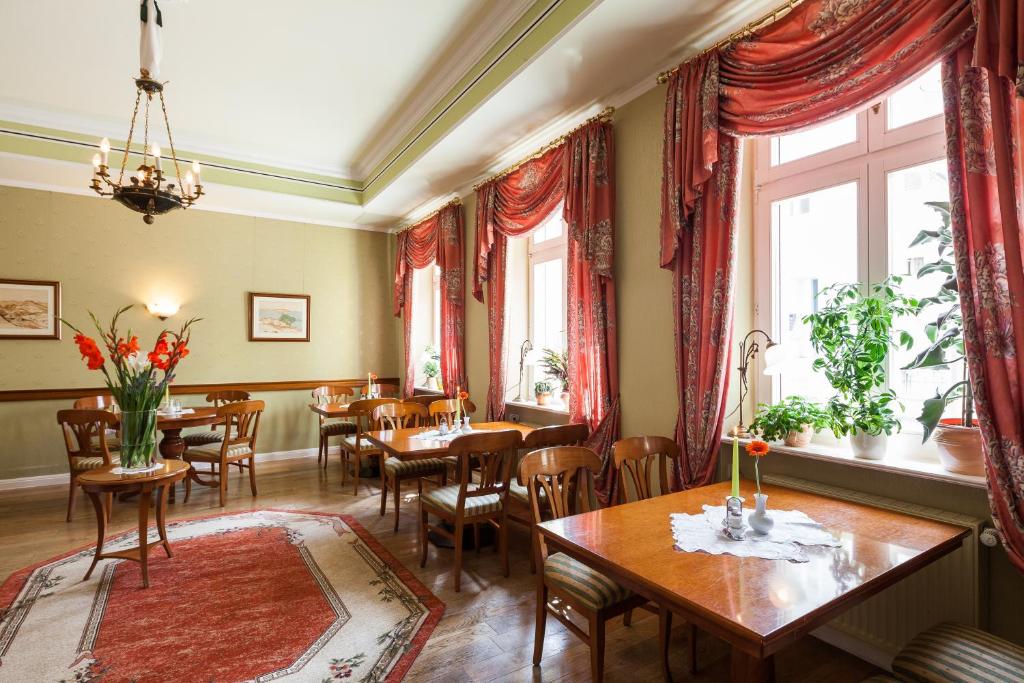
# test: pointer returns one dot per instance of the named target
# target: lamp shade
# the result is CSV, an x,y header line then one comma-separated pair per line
x,y
777,357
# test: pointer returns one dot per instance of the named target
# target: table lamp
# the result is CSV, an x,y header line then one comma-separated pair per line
x,y
749,347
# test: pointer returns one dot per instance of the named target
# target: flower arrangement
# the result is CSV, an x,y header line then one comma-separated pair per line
x,y
133,380
757,450
370,376
460,396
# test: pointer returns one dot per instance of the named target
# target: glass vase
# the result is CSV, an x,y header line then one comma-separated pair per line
x,y
138,439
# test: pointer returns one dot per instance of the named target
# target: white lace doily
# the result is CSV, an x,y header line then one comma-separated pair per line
x,y
793,530
435,435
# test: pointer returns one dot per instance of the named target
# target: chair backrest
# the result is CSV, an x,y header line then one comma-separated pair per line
x,y
560,482
492,455
399,415
389,390
85,434
104,402
557,435
446,407
219,398
333,393
363,412
423,399
637,456
242,422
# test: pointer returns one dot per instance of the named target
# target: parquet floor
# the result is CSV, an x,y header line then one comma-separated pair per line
x,y
487,630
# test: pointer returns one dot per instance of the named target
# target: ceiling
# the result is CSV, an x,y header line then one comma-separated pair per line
x,y
342,112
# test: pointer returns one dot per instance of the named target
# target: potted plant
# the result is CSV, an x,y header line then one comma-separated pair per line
x,y
542,392
852,334
430,371
958,438
556,365
793,420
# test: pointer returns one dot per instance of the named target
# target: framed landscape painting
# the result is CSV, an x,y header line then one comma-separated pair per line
x,y
278,317
29,309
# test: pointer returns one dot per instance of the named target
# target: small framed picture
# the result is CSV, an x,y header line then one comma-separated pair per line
x,y
278,317
29,309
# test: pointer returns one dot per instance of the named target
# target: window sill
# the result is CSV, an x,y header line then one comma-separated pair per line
x,y
899,462
557,408
428,392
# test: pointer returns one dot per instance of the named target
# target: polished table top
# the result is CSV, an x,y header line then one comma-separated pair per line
x,y
104,476
331,409
758,605
399,443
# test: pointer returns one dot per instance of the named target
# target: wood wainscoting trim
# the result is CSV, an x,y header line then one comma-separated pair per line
x,y
287,385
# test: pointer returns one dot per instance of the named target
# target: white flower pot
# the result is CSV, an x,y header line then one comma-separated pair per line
x,y
868,446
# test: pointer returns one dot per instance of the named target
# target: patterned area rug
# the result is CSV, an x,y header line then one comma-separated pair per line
x,y
257,596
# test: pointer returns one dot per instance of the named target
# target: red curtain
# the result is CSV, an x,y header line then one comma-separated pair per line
x,y
436,239
820,60
1000,42
509,206
983,131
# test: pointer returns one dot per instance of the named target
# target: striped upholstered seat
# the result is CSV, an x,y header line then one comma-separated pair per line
x,y
592,588
522,494
203,438
446,498
88,463
211,453
951,652
337,428
414,468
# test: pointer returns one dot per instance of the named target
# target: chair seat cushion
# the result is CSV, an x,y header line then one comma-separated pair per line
x,y
337,428
91,463
202,438
522,494
447,497
211,453
589,586
113,440
365,446
952,652
414,468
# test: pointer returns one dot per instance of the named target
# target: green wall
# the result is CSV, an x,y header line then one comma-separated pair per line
x,y
105,257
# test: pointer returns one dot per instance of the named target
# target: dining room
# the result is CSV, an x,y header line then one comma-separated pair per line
x,y
577,340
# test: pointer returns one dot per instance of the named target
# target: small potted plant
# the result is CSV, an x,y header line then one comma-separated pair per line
x,y
852,333
794,420
556,365
431,371
542,392
958,438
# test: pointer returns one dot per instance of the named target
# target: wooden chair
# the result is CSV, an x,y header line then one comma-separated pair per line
x,y
446,408
85,439
401,416
559,481
332,393
213,435
423,399
354,447
483,501
241,426
386,391
640,457
103,402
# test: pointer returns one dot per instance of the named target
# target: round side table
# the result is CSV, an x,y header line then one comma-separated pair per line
x,y
103,480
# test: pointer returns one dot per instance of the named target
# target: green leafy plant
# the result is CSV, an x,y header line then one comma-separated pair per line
x,y
792,414
432,353
946,332
430,369
556,365
542,387
852,334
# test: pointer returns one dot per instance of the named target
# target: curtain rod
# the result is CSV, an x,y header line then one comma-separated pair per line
x,y
605,115
761,22
450,202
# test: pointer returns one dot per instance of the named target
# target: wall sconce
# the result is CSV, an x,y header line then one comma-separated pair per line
x,y
162,309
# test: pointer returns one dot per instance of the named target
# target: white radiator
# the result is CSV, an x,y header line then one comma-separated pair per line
x,y
949,589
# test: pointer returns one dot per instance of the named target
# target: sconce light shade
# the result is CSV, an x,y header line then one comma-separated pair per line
x,y
778,357
162,309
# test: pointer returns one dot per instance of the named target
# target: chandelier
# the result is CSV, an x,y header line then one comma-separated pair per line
x,y
146,190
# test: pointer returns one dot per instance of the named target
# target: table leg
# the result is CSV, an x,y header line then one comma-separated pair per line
x,y
665,639
145,500
749,669
161,516
172,446
101,529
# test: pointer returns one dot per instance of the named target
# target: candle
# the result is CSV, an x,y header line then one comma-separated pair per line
x,y
195,171
369,383
735,467
156,156
104,151
96,164
186,185
458,405
167,395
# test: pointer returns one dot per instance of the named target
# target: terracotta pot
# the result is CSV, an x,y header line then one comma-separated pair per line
x,y
801,438
868,446
959,448
542,399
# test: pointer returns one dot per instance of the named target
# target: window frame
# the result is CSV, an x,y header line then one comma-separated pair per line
x,y
548,250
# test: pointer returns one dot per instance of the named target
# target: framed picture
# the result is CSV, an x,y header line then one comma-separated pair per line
x,y
278,317
29,309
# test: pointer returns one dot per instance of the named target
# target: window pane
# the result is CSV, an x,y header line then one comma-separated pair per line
x,y
548,305
816,238
804,143
908,189
916,101
549,229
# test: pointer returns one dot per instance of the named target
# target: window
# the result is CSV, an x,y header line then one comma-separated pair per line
x,y
546,296
426,324
841,203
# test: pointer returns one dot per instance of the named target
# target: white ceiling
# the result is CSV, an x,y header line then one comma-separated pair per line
x,y
330,86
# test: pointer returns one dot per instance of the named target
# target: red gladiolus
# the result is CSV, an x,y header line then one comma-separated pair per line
x,y
161,349
125,349
90,351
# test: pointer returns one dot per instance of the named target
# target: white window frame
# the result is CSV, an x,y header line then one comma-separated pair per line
x,y
877,152
433,328
548,250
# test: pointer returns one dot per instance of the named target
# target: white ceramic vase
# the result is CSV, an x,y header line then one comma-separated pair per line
x,y
868,446
759,520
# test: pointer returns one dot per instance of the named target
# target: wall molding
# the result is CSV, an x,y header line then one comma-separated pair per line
x,y
61,479
10,395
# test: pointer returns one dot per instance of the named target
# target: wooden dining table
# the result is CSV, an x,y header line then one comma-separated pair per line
x,y
758,606
332,409
404,444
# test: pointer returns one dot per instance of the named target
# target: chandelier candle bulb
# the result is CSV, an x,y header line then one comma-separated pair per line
x,y
195,170
104,151
156,156
96,162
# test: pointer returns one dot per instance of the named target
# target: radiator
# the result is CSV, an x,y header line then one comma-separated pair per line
x,y
949,589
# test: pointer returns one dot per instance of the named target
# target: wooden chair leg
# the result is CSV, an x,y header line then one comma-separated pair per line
x,y
597,647
252,474
72,496
355,473
320,449
664,639
222,479
397,483
693,649
627,618
423,536
458,555
541,621
384,499
476,538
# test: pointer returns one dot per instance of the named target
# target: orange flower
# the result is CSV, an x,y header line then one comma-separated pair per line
x,y
373,375
160,349
757,449
90,351
463,395
127,348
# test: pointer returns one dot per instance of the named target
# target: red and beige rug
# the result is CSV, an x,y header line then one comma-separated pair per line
x,y
258,596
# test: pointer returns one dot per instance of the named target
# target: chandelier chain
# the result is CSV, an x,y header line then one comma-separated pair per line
x,y
145,139
174,155
128,144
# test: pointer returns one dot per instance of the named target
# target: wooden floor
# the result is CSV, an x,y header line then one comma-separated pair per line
x,y
487,630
